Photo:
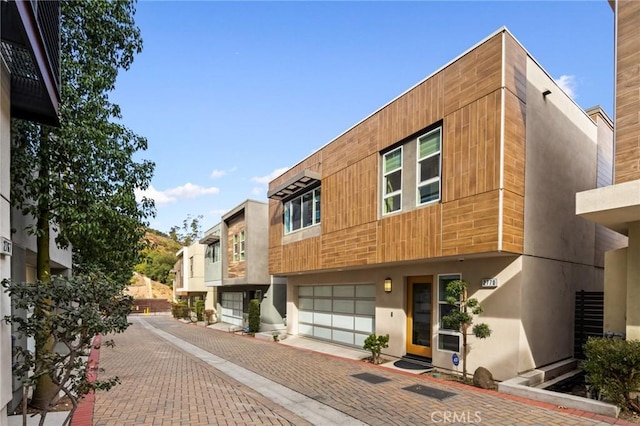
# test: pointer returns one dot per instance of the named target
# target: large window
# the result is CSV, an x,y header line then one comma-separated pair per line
x,y
392,181
411,173
212,253
428,168
448,339
303,211
238,246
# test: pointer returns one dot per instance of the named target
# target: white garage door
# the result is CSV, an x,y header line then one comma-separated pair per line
x,y
343,314
232,308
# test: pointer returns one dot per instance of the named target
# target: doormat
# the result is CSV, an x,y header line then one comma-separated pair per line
x,y
370,378
411,364
430,392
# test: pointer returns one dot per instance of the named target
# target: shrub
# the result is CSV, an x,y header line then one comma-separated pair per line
x,y
254,316
180,310
200,310
613,369
375,344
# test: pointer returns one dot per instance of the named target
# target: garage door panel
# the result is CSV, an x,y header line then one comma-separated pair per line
x,y
322,333
364,324
343,321
345,337
343,314
320,318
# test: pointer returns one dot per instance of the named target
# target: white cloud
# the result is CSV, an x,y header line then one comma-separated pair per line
x,y
189,190
158,196
257,190
217,173
171,195
271,176
568,84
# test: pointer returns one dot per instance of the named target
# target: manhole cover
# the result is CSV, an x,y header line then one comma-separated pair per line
x,y
370,378
430,392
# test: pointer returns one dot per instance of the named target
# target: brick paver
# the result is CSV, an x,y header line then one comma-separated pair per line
x,y
163,385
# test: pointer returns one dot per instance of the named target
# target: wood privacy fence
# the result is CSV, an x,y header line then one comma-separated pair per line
x,y
150,306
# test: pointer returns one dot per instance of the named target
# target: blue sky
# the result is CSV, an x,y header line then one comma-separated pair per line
x,y
229,94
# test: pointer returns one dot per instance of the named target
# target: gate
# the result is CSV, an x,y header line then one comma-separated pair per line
x,y
588,319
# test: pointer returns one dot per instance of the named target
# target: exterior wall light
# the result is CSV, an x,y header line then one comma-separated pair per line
x,y
387,285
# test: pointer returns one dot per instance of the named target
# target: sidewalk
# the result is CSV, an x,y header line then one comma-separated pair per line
x,y
173,373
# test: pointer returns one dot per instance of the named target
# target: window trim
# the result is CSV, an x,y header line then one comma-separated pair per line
x,y
238,242
419,183
446,331
384,177
316,214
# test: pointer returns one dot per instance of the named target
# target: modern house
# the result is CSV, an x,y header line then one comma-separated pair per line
x,y
471,174
236,266
30,90
617,207
188,279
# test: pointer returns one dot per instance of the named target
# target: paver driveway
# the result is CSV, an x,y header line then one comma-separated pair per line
x,y
181,374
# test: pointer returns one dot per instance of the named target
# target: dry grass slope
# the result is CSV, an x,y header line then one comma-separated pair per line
x,y
142,287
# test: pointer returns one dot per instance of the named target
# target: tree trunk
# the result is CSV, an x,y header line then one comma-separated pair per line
x,y
45,389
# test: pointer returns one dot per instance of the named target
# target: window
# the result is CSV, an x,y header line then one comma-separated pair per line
x,y
392,181
213,252
428,168
302,212
191,266
448,339
238,246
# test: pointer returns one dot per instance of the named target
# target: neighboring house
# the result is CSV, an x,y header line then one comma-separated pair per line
x,y
617,207
212,265
188,281
29,89
236,266
470,174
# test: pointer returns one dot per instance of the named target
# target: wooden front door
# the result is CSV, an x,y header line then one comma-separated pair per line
x,y
420,315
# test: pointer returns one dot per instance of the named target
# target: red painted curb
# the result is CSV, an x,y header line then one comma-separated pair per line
x,y
83,415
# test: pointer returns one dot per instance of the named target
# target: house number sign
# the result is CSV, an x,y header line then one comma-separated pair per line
x,y
490,283
6,247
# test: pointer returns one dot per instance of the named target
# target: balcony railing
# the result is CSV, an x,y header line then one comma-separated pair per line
x,y
31,49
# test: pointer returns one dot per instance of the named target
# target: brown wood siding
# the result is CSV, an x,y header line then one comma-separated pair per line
x,y
412,235
349,197
466,96
470,225
514,143
516,68
411,112
349,247
473,76
350,148
512,222
301,255
471,149
627,163
235,269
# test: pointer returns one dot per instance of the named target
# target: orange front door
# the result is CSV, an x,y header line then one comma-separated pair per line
x,y
419,315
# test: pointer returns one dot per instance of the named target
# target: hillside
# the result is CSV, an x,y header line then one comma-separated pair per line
x,y
158,259
142,287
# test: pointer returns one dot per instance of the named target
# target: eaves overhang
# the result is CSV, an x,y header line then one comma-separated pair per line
x,y
30,48
295,185
210,238
614,207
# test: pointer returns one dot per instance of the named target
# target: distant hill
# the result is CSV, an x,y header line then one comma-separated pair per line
x,y
157,260
142,287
